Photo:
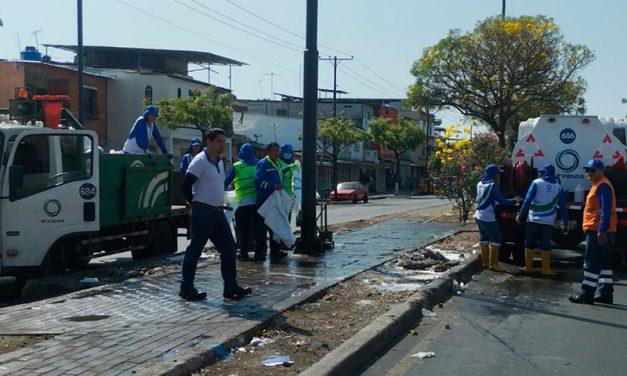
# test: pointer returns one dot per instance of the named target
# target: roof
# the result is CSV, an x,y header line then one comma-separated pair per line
x,y
87,70
190,56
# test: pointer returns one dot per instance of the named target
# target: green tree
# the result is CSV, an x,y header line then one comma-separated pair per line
x,y
399,137
334,135
504,71
204,110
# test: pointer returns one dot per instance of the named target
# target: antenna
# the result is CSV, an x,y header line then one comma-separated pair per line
x,y
271,74
36,39
19,44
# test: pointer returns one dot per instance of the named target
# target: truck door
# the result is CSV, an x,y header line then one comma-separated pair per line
x,y
54,195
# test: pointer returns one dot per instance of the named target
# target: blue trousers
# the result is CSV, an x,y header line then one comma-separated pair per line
x,y
489,233
597,266
208,224
538,233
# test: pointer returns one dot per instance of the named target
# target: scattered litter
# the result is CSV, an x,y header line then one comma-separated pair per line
x,y
260,342
459,288
413,332
89,280
423,355
221,353
283,360
447,326
241,349
427,313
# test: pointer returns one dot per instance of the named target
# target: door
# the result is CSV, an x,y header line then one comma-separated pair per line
x,y
58,195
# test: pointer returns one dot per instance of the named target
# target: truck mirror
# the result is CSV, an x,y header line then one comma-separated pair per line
x,y
16,177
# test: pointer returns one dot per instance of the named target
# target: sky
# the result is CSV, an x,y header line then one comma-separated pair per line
x,y
383,37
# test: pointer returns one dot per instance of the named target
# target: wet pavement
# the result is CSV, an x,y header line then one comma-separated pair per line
x,y
124,328
517,325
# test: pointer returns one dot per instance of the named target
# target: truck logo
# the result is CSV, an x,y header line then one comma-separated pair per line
x,y
567,160
52,208
157,186
137,164
568,136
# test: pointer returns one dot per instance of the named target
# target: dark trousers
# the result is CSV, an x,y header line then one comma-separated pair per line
x,y
538,234
208,224
597,266
250,222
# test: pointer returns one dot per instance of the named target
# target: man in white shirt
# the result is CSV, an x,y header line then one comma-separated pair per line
x,y
203,188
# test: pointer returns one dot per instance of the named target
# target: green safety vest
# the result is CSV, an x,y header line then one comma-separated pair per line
x,y
244,180
288,178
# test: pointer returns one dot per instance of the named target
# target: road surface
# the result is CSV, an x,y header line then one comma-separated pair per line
x,y
514,325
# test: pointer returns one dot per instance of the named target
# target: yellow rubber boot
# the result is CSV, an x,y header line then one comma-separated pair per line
x,y
494,259
546,264
485,255
529,253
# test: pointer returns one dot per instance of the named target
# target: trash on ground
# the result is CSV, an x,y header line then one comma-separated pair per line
x,y
89,280
283,360
447,326
241,349
428,313
423,355
260,342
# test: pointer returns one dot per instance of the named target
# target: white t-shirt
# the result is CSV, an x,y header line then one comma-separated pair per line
x,y
209,185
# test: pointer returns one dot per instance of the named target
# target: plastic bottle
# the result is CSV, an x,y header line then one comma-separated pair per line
x,y
579,193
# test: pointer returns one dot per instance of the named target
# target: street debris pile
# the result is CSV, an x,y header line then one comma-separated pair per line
x,y
303,335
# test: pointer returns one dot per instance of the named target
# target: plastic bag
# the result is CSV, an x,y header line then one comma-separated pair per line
x,y
275,212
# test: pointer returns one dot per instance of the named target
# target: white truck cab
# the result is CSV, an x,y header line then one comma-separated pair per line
x,y
49,189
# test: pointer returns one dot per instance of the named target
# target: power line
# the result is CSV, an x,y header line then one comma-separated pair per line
x,y
374,84
273,41
145,12
374,88
300,48
378,75
282,28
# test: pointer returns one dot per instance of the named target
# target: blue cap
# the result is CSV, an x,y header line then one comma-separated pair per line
x,y
491,170
196,142
594,164
151,110
547,170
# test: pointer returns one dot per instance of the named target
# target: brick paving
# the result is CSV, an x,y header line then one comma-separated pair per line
x,y
124,328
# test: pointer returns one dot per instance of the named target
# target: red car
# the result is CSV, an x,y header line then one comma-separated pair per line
x,y
352,190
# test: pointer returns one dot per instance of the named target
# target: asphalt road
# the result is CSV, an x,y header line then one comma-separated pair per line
x,y
514,325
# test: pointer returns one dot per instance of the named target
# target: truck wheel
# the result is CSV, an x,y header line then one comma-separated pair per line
x,y
162,239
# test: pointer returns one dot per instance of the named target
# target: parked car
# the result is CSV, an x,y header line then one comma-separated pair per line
x,y
352,190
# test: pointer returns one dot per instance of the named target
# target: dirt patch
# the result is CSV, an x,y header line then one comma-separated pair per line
x,y
439,213
308,332
13,343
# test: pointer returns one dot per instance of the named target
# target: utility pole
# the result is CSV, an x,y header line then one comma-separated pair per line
x,y
230,82
309,236
271,74
335,61
81,84
503,9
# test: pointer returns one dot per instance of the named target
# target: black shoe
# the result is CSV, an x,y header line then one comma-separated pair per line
x,y
277,255
581,299
193,295
260,257
238,293
605,299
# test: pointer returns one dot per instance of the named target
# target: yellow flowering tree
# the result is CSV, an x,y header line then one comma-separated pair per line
x,y
504,71
457,165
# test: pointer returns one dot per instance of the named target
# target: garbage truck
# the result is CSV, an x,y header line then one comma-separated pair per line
x,y
568,142
64,201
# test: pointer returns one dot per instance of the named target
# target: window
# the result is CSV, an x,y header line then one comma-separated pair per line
x,y
90,103
48,161
148,93
281,112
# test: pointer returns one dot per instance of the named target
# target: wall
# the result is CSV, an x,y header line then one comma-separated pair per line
x,y
11,76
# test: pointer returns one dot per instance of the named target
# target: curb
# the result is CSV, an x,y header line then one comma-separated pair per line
x,y
208,352
354,355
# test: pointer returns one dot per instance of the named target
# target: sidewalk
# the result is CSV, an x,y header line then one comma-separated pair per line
x,y
129,327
